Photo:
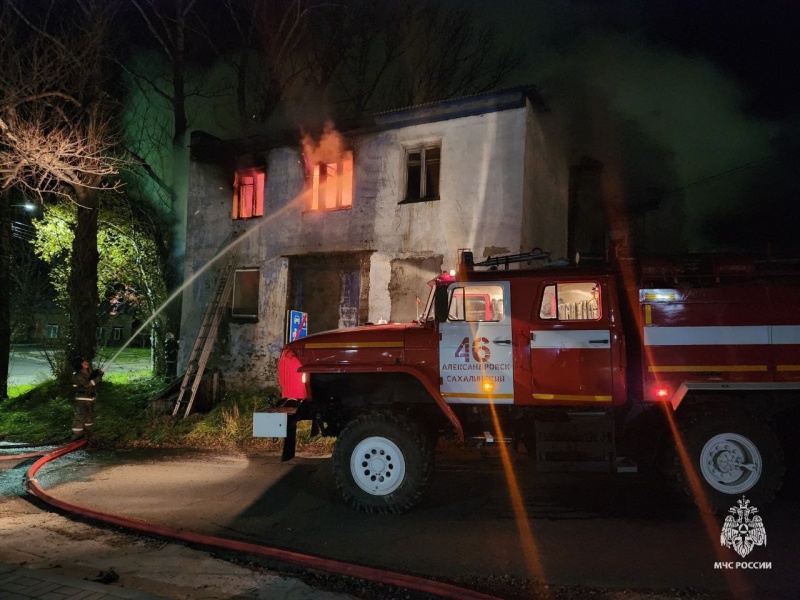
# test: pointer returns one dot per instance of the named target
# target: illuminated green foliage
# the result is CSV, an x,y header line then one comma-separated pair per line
x,y
131,242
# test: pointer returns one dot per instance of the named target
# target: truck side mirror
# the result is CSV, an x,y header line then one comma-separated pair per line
x,y
440,307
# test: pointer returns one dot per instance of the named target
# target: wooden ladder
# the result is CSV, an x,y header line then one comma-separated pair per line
x,y
206,336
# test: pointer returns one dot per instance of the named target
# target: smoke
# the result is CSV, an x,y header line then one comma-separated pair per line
x,y
671,126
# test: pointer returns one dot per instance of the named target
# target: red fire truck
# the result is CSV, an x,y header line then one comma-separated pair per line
x,y
597,366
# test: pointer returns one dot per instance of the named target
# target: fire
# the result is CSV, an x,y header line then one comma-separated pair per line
x,y
329,166
328,148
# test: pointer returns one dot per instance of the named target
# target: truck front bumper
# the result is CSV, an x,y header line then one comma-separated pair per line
x,y
279,422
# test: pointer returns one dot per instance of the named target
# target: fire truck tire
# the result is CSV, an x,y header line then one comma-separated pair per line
x,y
733,455
382,462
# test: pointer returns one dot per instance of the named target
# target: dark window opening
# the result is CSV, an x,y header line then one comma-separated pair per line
x,y
333,289
422,174
245,293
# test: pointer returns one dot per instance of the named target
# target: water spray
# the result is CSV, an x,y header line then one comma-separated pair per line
x,y
235,242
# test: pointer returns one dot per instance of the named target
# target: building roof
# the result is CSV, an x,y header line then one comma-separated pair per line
x,y
208,148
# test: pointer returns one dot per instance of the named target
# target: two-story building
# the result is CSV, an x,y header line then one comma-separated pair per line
x,y
350,222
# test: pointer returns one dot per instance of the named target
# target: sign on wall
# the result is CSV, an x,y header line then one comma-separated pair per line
x,y
296,325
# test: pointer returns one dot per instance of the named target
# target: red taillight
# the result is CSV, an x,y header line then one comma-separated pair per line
x,y
662,393
291,382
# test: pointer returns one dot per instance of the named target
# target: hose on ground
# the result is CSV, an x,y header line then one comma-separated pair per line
x,y
304,561
24,455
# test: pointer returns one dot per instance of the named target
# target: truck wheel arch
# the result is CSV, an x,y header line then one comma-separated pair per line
x,y
368,383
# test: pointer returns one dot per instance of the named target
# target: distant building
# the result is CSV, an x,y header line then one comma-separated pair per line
x,y
47,326
350,222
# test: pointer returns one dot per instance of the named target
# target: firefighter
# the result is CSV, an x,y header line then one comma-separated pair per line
x,y
170,357
85,381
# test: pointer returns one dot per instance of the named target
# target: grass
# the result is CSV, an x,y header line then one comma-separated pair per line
x,y
19,390
127,355
125,417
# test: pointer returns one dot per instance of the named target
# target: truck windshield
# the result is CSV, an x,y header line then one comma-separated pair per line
x,y
427,315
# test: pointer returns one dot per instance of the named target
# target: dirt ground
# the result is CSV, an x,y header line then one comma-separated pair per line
x,y
36,538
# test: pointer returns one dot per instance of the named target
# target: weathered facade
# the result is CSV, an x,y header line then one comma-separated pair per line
x,y
349,226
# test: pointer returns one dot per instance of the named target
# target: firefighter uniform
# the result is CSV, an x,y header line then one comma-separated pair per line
x,y
85,383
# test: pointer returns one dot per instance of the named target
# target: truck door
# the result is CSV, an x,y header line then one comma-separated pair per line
x,y
571,344
475,350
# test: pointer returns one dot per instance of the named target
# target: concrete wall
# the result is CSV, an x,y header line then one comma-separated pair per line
x,y
546,181
499,193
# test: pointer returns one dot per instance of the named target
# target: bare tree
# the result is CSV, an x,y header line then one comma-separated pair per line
x,y
375,47
351,57
55,132
447,54
268,54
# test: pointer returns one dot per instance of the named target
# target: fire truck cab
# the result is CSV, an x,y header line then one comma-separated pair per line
x,y
586,367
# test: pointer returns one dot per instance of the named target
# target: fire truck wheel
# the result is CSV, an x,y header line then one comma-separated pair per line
x,y
734,455
382,462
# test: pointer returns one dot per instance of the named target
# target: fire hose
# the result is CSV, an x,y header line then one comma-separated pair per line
x,y
303,561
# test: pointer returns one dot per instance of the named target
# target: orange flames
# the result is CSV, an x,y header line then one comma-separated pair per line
x,y
327,148
330,169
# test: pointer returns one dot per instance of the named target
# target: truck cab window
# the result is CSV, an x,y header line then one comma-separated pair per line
x,y
476,303
573,301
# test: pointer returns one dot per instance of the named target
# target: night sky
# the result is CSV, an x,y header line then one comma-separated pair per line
x,y
694,103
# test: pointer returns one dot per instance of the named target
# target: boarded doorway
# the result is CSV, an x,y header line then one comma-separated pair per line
x,y
408,286
332,288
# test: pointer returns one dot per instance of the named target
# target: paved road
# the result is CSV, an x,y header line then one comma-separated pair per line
x,y
610,531
23,369
28,367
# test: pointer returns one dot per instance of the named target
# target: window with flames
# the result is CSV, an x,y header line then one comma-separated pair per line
x,y
248,194
332,184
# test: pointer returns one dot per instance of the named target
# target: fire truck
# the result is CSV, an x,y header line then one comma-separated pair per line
x,y
604,364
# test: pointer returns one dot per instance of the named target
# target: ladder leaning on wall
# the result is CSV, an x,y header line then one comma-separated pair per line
x,y
206,336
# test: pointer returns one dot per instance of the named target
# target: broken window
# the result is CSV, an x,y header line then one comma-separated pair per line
x,y
248,194
245,293
422,174
332,184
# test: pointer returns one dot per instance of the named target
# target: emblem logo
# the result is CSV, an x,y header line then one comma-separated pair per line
x,y
743,529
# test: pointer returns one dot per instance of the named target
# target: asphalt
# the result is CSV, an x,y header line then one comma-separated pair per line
x,y
21,583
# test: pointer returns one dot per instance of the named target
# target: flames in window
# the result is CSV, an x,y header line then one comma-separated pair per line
x,y
330,170
248,194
